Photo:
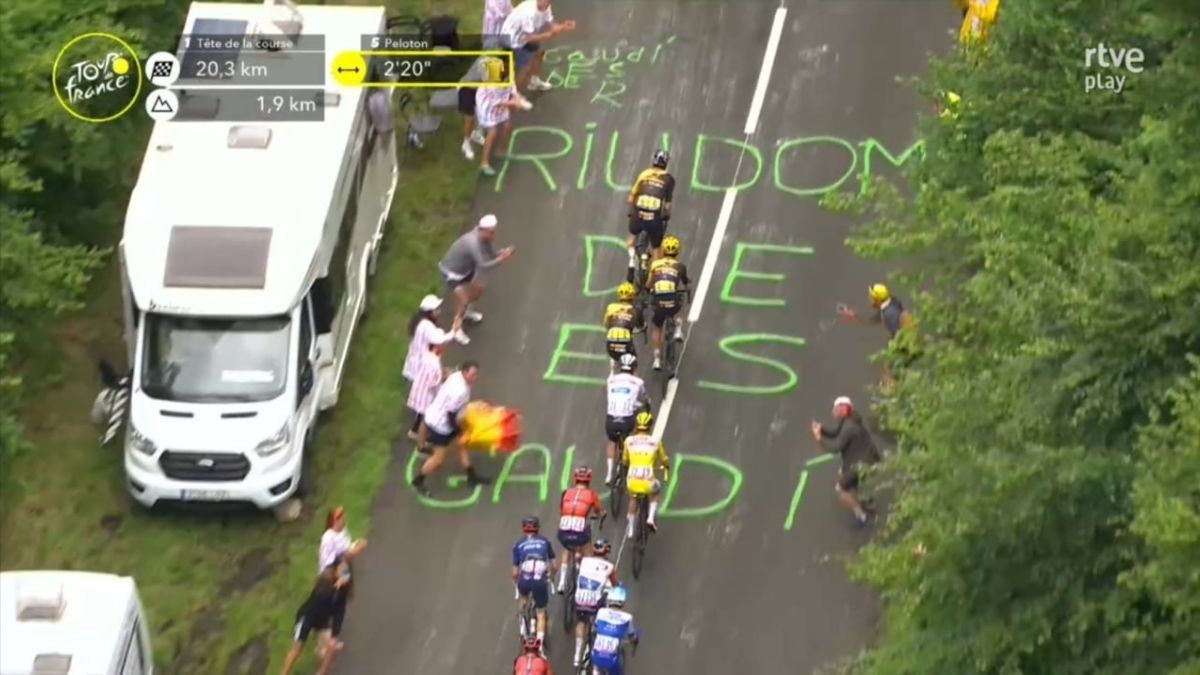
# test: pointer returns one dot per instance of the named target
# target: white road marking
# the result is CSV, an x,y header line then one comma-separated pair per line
x,y
764,73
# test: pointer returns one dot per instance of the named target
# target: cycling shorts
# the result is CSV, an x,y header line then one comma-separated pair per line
x,y
618,348
571,539
616,428
538,588
660,314
655,228
643,488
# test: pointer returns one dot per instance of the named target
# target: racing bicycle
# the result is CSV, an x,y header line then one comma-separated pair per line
x,y
670,348
616,491
570,582
641,533
585,661
528,619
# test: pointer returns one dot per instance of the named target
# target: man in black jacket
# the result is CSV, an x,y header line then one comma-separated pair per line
x,y
849,439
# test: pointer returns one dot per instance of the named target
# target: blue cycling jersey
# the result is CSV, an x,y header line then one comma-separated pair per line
x,y
612,627
531,556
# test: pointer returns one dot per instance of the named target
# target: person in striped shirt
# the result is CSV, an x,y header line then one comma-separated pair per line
x,y
427,378
493,112
494,14
423,332
443,426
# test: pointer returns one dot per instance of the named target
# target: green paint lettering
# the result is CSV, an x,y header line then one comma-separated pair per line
x,y
565,482
871,146
541,479
812,140
799,493
449,505
735,272
609,89
635,56
577,70
589,253
615,56
703,139
727,344
616,71
590,128
612,153
555,79
735,486
560,351
535,158
659,48
554,55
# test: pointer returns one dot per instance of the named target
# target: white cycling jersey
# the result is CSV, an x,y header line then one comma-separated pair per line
x,y
595,574
626,392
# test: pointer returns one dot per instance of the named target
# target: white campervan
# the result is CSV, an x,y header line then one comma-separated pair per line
x,y
72,623
245,258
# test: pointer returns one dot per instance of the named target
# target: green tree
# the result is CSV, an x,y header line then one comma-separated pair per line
x,y
1061,265
64,183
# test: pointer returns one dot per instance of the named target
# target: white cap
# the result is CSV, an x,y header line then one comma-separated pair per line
x,y
430,303
488,222
842,400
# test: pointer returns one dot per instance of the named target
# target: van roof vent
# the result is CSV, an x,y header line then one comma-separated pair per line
x,y
40,603
243,136
279,17
52,664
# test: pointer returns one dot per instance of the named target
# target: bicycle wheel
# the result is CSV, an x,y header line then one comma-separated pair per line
x,y
639,538
569,599
616,494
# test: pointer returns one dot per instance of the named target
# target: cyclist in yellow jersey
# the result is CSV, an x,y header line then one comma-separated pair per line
x,y
620,321
641,455
650,207
666,282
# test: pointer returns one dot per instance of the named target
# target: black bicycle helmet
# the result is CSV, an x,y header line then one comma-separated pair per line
x,y
661,158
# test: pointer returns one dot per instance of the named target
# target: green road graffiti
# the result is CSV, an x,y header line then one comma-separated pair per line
x,y
727,344
736,272
603,70
565,331
733,480
858,160
589,255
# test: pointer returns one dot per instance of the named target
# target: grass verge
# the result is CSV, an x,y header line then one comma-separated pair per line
x,y
220,592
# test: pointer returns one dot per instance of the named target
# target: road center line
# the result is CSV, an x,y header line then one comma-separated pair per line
x,y
714,245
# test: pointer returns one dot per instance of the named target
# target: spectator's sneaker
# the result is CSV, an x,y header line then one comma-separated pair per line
x,y
461,338
524,103
477,136
467,150
538,84
658,363
412,435
860,520
472,316
487,171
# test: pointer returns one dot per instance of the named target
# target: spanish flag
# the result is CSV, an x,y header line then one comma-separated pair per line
x,y
489,427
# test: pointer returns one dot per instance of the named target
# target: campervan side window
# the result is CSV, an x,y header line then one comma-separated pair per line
x,y
339,262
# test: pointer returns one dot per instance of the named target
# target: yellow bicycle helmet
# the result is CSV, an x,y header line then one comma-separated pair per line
x,y
878,293
670,245
644,420
626,292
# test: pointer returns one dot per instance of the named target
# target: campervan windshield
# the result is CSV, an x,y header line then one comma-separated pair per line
x,y
197,360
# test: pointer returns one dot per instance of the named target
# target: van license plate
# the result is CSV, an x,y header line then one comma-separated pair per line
x,y
203,495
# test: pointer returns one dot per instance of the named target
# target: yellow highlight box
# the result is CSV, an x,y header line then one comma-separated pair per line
x,y
350,68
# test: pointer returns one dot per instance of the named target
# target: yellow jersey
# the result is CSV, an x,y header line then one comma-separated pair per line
x,y
619,322
642,454
652,192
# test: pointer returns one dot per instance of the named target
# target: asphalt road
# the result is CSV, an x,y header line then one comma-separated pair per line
x,y
746,585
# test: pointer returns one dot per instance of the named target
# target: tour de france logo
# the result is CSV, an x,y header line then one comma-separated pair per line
x,y
97,77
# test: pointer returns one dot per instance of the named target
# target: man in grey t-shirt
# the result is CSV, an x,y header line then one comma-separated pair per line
x,y
469,254
851,441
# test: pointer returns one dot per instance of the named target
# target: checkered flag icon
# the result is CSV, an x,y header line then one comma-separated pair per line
x,y
161,69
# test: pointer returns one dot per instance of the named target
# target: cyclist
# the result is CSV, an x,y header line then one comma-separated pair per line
x,y
531,661
613,625
626,394
575,505
596,574
533,563
621,318
666,283
650,206
640,456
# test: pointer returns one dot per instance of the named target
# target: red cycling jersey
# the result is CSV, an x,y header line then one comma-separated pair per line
x,y
531,664
579,501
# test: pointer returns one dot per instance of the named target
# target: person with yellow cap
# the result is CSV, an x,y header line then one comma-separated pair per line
x,y
886,309
485,69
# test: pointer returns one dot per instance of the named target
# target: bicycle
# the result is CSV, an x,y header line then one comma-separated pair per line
x,y
585,660
616,491
570,582
670,347
641,533
528,619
